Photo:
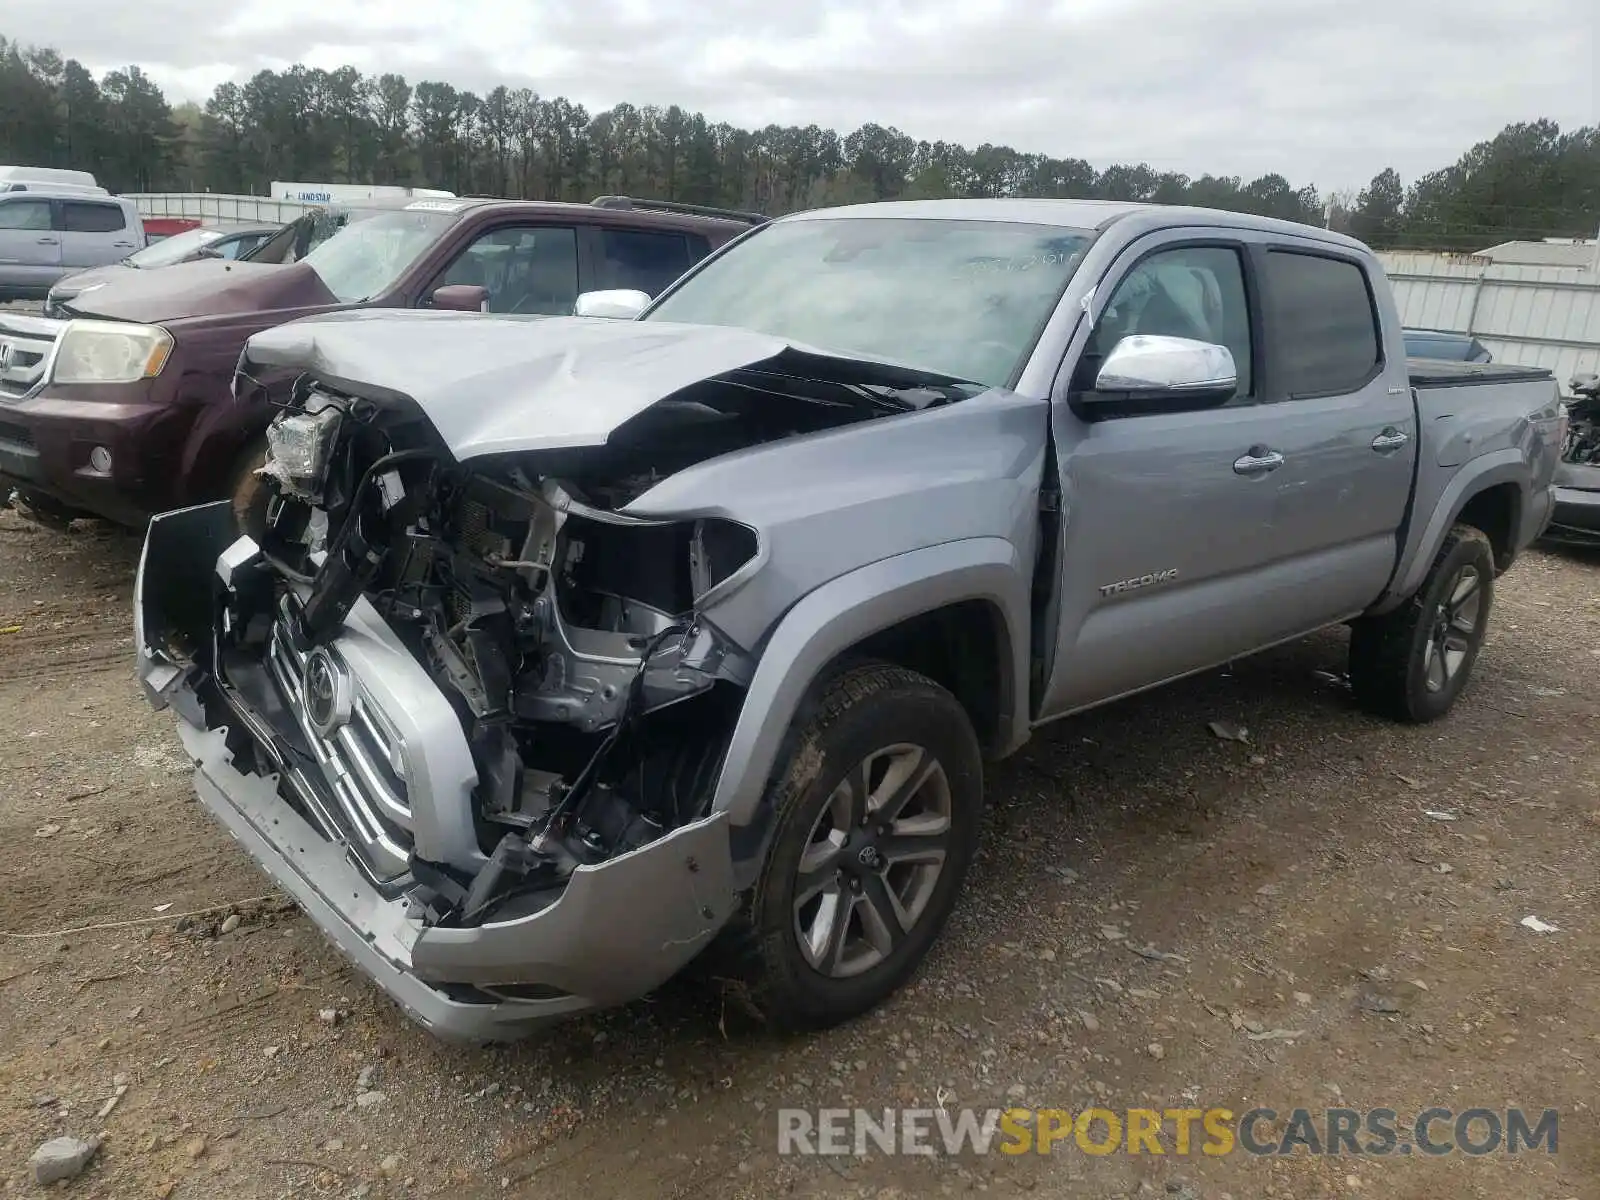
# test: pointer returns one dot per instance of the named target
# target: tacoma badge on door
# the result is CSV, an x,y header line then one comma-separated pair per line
x,y
1139,581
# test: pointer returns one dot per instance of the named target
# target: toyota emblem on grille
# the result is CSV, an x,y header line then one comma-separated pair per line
x,y
325,688
7,349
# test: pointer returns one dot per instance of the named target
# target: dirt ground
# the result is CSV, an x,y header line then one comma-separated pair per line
x,y
1297,876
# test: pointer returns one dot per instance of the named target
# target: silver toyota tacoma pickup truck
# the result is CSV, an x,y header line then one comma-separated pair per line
x,y
575,649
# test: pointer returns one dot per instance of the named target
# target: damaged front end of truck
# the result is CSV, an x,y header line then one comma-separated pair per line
x,y
463,694
1575,520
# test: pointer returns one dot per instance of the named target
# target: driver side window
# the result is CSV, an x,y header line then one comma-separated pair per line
x,y
525,269
25,214
1191,292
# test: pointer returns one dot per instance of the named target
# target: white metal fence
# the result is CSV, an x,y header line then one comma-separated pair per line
x,y
215,206
1532,316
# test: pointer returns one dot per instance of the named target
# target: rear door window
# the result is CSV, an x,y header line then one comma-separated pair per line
x,y
80,217
644,261
1324,328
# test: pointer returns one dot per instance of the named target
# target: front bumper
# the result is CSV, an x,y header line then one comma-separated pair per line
x,y
613,933
1576,519
46,443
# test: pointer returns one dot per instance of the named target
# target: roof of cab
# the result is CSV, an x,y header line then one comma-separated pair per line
x,y
1074,214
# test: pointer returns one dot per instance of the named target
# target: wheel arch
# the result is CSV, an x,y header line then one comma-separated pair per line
x,y
1491,488
218,439
961,646
936,610
1496,510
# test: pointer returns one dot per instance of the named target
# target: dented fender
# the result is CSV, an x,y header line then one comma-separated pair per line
x,y
840,614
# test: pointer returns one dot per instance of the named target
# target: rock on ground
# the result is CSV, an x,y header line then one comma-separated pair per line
x,y
62,1158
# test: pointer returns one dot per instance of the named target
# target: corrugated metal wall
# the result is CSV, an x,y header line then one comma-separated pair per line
x,y
1534,316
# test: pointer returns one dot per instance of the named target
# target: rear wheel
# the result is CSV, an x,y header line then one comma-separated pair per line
x,y
877,817
1411,664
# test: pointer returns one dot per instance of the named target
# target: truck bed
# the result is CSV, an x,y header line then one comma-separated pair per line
x,y
1442,373
1496,414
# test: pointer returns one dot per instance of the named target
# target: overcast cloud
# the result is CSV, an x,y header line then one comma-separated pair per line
x,y
1321,91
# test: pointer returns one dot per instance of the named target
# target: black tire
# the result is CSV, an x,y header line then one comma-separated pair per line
x,y
870,710
1398,667
248,492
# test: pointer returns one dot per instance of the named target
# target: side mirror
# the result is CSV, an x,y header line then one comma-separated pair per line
x,y
461,297
621,304
1154,372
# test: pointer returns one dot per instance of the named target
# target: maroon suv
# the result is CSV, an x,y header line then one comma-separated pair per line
x,y
127,408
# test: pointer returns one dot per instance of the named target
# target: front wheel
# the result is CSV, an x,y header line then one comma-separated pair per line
x,y
877,815
248,492
1411,664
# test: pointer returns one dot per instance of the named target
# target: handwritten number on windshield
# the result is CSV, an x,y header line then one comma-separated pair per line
x,y
1026,262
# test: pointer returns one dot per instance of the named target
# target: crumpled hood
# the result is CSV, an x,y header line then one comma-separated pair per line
x,y
204,288
499,384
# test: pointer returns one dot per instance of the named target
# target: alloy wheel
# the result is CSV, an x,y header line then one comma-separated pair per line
x,y
872,860
1455,626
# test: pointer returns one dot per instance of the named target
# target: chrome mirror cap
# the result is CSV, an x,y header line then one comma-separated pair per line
x,y
622,304
1157,363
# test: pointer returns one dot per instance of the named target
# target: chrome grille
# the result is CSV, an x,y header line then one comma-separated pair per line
x,y
27,345
362,760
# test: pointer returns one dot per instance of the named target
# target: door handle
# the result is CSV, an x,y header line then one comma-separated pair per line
x,y
1259,461
1390,439
123,245
47,241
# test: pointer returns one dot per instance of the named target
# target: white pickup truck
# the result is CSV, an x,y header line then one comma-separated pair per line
x,y
574,649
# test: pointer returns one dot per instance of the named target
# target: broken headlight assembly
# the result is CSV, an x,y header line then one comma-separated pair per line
x,y
299,447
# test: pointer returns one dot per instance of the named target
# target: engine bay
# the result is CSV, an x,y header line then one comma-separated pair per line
x,y
565,634
568,635
1582,445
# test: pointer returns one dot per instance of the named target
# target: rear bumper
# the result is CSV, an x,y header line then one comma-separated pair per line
x,y
1576,518
611,934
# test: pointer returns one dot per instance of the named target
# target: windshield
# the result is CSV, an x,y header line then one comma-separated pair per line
x,y
965,298
366,257
172,249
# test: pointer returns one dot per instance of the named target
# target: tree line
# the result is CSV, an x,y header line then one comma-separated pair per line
x,y
1529,180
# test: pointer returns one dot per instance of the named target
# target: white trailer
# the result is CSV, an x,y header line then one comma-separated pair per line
x,y
48,179
325,193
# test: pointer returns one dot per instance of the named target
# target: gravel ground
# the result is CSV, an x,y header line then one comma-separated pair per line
x,y
1297,877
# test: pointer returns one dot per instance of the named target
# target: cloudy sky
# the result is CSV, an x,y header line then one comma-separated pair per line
x,y
1323,91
